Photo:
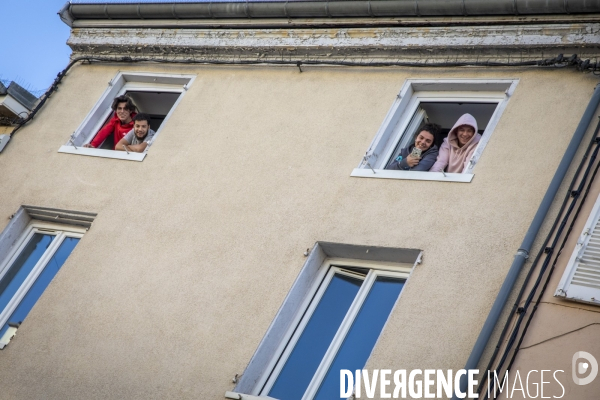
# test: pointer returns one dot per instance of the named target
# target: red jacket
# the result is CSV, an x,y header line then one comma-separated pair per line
x,y
113,126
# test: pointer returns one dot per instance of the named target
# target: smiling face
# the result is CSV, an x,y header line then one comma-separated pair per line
x,y
140,128
464,133
424,140
123,113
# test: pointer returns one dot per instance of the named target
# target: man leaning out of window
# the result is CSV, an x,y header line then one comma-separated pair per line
x,y
421,155
139,137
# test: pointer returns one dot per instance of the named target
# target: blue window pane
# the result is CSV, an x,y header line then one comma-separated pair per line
x,y
42,281
315,339
22,266
363,334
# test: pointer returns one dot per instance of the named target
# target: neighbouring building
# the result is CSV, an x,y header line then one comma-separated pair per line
x,y
260,245
16,103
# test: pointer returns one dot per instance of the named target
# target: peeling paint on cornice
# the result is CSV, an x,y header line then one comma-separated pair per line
x,y
495,42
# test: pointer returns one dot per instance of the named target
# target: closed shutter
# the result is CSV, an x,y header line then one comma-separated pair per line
x,y
581,280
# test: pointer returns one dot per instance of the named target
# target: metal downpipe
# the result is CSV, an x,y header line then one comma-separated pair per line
x,y
523,251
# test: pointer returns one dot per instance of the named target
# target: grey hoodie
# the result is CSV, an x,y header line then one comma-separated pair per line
x,y
427,159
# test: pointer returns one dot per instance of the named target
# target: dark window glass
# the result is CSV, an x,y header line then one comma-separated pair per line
x,y
314,341
43,280
22,266
363,334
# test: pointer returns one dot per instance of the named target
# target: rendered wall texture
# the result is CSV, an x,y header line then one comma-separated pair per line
x,y
195,248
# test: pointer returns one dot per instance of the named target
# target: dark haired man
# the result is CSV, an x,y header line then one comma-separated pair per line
x,y
424,141
120,123
138,138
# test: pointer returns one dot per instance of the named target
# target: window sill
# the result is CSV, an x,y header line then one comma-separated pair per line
x,y
412,175
242,396
7,337
86,151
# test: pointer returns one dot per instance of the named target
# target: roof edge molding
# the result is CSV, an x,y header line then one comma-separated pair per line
x,y
424,45
322,9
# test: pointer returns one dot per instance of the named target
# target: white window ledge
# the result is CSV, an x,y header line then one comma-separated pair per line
x,y
412,175
8,335
242,396
86,151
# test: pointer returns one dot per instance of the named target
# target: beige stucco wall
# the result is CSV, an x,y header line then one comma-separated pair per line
x,y
195,248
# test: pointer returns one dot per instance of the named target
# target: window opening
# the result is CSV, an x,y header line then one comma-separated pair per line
x,y
444,114
441,102
155,104
153,94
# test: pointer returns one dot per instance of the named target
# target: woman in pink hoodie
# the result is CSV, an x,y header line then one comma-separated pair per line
x,y
457,149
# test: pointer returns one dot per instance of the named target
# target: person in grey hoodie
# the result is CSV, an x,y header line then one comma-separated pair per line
x,y
458,148
424,141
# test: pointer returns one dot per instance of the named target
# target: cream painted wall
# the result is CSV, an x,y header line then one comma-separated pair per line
x,y
195,248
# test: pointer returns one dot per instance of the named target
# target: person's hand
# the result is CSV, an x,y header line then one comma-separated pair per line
x,y
412,160
87,145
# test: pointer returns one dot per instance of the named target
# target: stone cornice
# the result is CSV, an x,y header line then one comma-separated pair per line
x,y
378,43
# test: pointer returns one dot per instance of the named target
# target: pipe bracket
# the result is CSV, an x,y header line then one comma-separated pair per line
x,y
522,253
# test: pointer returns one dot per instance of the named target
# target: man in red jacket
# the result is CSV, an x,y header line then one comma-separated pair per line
x,y
120,123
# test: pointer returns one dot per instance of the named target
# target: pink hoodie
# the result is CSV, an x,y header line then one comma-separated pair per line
x,y
454,157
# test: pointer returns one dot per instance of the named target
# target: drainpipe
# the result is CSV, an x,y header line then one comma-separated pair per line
x,y
523,252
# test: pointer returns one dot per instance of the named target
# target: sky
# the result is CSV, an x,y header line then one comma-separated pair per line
x,y
34,48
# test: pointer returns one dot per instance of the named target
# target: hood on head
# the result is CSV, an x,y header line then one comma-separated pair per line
x,y
465,119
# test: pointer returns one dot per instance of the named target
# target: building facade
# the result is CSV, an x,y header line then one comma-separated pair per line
x,y
15,104
260,244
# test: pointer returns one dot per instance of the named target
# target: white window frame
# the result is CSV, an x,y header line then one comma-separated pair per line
x,y
329,268
61,232
406,104
566,288
121,83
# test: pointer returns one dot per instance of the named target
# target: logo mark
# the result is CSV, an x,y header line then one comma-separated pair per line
x,y
580,367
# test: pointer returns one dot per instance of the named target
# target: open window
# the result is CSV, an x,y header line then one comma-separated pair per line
x,y
441,102
330,320
153,94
